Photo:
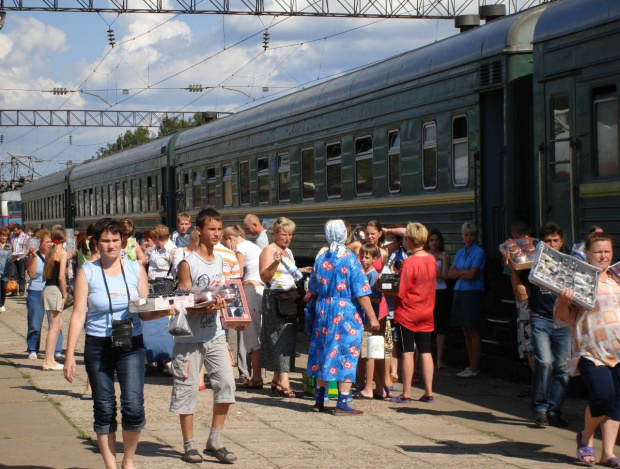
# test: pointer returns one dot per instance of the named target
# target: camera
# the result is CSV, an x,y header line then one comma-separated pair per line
x,y
121,334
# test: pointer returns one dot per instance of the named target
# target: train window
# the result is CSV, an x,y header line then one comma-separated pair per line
x,y
127,197
244,183
560,137
307,174
262,166
460,151
211,195
333,153
197,181
83,202
394,161
120,203
227,185
363,165
429,155
144,196
284,177
80,204
606,115
93,201
151,183
187,190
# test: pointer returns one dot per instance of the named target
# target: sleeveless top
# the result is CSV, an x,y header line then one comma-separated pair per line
x,y
37,283
441,283
204,326
98,319
282,279
129,252
383,306
53,281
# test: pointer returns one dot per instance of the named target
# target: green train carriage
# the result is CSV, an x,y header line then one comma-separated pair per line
x,y
577,76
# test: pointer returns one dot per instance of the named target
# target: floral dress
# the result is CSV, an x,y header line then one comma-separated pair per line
x,y
337,332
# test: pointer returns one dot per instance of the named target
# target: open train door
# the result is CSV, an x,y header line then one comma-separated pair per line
x,y
557,158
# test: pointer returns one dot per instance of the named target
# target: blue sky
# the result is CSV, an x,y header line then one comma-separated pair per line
x,y
44,50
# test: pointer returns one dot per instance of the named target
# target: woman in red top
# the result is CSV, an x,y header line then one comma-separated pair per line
x,y
413,313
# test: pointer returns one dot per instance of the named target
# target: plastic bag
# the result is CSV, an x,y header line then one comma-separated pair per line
x,y
179,327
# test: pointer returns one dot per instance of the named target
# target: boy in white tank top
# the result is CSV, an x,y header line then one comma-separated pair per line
x,y
207,345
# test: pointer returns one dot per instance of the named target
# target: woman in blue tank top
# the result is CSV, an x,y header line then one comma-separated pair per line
x,y
103,289
34,267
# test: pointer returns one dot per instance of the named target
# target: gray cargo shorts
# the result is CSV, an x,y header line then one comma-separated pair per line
x,y
186,364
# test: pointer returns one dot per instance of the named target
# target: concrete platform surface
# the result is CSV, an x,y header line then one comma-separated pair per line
x,y
477,423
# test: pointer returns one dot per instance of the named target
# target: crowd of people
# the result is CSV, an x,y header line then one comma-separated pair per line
x,y
347,307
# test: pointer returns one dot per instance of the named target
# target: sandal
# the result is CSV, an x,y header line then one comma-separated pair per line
x,y
249,384
222,455
192,455
611,462
585,451
388,392
401,400
286,392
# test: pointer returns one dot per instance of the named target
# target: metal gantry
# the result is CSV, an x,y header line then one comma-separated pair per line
x,y
85,118
436,9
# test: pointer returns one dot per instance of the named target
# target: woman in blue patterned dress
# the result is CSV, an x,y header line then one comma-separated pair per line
x,y
337,332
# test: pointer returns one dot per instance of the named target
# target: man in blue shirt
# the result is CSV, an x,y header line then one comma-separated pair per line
x,y
551,344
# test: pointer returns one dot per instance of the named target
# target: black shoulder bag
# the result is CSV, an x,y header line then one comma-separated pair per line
x,y
122,330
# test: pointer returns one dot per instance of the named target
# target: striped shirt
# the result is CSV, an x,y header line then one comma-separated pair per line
x,y
231,264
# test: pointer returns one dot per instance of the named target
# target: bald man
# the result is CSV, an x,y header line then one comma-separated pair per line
x,y
253,226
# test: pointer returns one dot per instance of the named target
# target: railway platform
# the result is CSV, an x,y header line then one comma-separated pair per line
x,y
478,423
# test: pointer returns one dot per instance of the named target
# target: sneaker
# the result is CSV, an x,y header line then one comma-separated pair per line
x,y
555,420
2,309
59,356
467,373
33,356
540,419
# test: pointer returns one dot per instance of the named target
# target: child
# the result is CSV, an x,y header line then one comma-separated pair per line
x,y
207,346
368,254
181,236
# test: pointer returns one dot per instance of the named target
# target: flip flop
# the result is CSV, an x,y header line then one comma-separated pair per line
x,y
584,451
611,462
400,400
222,455
388,392
361,396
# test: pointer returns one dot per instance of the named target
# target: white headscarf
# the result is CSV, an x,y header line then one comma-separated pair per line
x,y
336,234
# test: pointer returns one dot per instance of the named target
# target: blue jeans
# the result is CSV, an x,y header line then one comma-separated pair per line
x,y
35,320
101,362
550,377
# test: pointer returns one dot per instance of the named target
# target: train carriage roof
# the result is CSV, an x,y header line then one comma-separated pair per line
x,y
55,180
571,16
510,34
133,155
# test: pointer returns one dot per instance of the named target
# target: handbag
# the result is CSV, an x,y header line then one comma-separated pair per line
x,y
289,304
69,300
387,337
11,286
163,286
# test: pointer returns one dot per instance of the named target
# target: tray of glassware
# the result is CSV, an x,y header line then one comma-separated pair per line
x,y
521,251
160,303
555,271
